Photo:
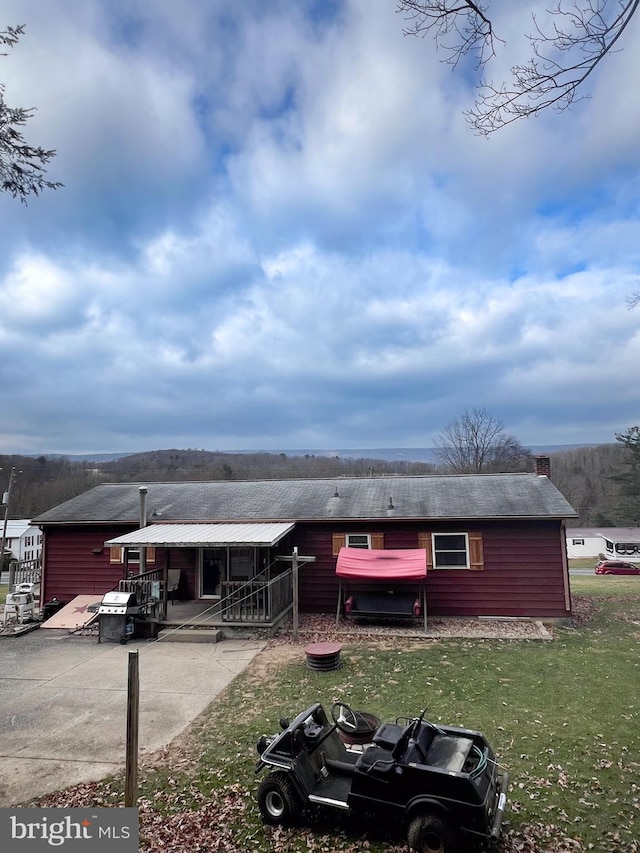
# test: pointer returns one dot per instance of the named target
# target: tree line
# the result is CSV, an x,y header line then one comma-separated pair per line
x,y
601,482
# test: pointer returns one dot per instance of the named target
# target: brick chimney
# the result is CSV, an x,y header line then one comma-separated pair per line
x,y
543,466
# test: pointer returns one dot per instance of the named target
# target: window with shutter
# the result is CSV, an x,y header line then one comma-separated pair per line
x,y
377,541
476,552
424,541
115,554
338,541
358,540
453,550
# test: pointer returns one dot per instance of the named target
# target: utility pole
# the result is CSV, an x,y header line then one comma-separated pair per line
x,y
5,500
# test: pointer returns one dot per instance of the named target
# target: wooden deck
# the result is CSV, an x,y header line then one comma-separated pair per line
x,y
206,613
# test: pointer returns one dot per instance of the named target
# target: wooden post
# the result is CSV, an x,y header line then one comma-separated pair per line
x,y
424,605
143,523
133,718
295,561
294,580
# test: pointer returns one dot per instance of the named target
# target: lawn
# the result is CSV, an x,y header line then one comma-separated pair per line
x,y
563,717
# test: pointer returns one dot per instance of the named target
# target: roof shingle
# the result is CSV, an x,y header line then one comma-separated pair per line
x,y
468,496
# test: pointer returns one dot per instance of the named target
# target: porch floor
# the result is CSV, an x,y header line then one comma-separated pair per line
x,y
205,613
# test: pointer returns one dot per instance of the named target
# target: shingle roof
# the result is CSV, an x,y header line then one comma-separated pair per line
x,y
471,496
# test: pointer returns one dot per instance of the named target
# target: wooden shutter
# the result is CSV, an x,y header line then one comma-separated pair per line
x,y
150,554
476,552
115,554
338,541
377,541
424,541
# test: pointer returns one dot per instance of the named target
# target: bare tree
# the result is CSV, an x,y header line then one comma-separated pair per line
x,y
629,479
477,442
581,34
22,166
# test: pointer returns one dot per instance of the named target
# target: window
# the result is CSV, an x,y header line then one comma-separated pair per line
x,y
116,555
358,540
628,548
375,541
577,541
241,563
450,551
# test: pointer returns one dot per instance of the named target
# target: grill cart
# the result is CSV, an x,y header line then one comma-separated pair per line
x,y
116,616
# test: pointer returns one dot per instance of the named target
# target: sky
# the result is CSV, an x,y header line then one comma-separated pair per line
x,y
278,231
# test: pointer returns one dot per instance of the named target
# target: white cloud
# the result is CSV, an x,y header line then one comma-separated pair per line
x,y
278,231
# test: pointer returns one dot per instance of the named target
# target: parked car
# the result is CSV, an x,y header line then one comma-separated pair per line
x,y
442,784
616,567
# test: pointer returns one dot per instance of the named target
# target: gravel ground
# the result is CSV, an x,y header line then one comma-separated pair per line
x,y
322,628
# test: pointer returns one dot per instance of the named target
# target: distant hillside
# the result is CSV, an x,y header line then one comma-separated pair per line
x,y
387,454
583,474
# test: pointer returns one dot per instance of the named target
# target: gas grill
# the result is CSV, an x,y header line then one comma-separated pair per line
x,y
116,616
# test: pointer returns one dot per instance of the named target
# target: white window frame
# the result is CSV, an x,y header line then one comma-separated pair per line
x,y
436,551
366,536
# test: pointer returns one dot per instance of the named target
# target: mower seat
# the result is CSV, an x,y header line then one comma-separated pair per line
x,y
388,735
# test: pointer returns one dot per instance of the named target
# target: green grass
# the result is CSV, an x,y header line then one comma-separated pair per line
x,y
583,562
4,589
563,716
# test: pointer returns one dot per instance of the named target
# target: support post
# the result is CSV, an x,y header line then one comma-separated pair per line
x,y
5,500
424,604
143,523
294,581
133,709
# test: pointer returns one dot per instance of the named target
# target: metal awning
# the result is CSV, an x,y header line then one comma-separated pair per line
x,y
203,535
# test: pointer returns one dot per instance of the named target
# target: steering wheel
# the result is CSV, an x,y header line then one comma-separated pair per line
x,y
344,717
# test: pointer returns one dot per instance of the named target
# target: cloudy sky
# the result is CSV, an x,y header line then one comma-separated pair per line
x,y
278,231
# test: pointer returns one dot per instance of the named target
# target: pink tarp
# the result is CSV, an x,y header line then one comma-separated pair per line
x,y
368,564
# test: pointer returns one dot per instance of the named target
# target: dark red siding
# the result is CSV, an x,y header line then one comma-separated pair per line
x,y
76,561
523,568
524,572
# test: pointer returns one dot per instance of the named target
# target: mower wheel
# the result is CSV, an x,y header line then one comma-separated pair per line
x,y
430,833
277,799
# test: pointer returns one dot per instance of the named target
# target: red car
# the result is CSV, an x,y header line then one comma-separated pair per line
x,y
616,567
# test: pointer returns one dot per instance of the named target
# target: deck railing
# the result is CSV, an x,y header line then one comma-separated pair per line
x,y
25,571
148,588
255,600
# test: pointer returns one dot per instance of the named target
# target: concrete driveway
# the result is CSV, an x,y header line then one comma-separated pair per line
x,y
63,703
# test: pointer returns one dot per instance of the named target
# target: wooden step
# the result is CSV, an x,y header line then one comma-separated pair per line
x,y
190,635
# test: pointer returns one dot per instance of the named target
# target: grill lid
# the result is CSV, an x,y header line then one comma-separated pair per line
x,y
123,599
118,603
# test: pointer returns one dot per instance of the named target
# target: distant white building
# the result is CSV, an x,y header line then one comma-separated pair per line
x,y
23,540
619,543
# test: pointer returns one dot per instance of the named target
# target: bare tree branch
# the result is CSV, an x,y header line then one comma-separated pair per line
x,y
459,27
22,166
634,300
563,60
582,33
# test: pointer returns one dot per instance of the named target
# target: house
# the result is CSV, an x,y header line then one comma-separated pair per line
x,y
23,541
494,544
613,543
